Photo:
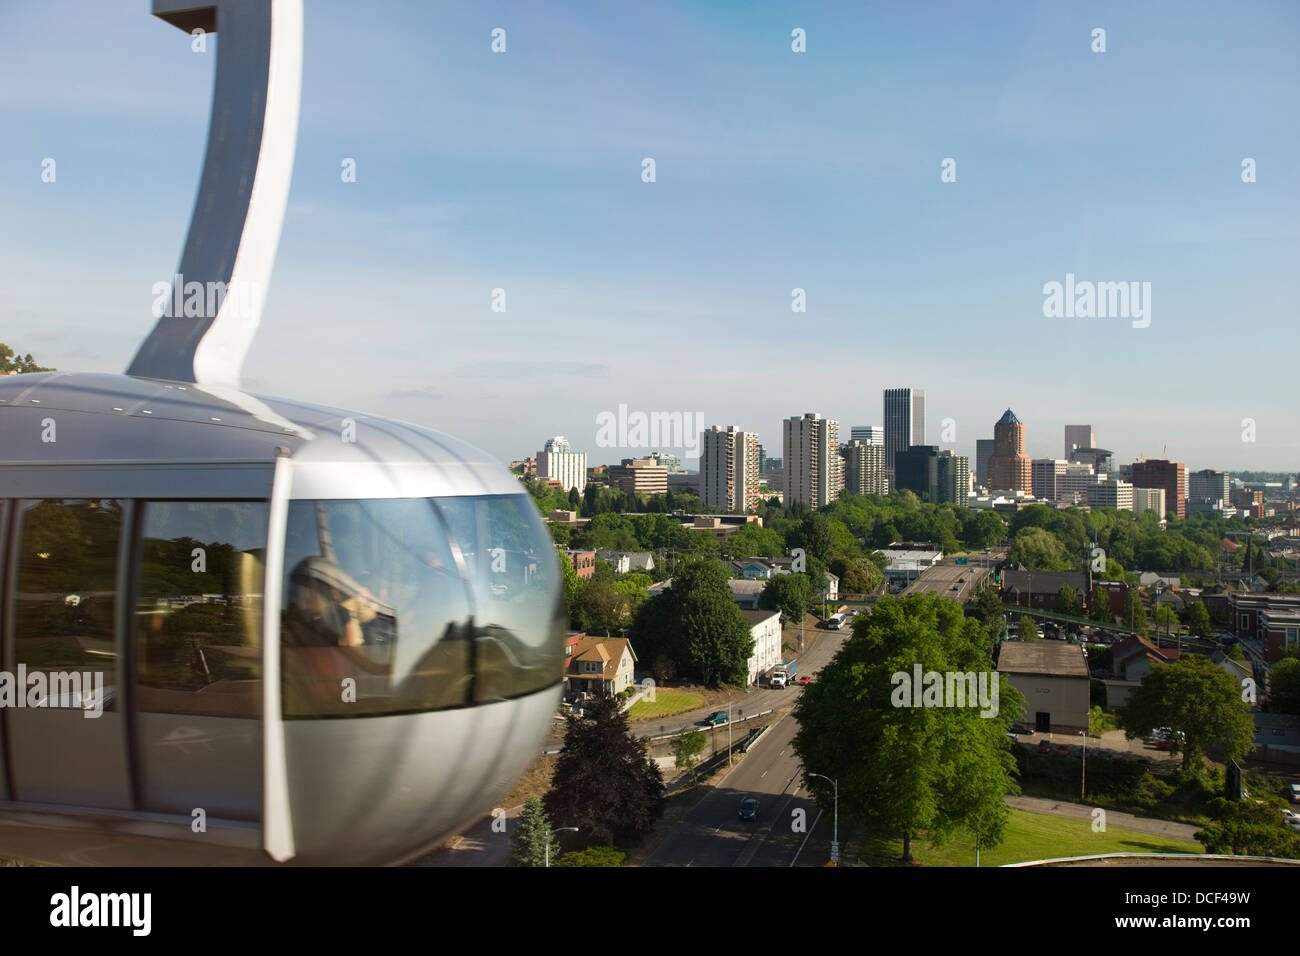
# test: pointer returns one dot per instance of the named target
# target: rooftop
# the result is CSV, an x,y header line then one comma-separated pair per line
x,y
1051,658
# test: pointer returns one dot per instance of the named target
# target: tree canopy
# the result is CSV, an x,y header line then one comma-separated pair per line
x,y
907,768
605,782
1195,697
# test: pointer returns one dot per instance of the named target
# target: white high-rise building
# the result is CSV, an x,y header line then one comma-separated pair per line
x,y
557,463
904,421
864,468
871,434
1149,499
813,468
1110,493
729,476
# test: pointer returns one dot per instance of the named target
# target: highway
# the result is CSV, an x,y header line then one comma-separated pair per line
x,y
957,581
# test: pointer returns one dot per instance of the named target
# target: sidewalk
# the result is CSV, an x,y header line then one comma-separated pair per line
x,y
1114,818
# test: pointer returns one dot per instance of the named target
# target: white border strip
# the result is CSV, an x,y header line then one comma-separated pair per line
x,y
277,820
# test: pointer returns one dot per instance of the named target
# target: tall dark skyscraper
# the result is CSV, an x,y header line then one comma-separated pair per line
x,y
904,421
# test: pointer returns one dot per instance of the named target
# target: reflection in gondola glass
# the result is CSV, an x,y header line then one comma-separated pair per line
x,y
374,593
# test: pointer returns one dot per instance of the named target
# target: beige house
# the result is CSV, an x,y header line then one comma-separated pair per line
x,y
599,665
1053,676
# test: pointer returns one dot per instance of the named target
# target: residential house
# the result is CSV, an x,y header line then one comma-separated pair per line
x,y
599,665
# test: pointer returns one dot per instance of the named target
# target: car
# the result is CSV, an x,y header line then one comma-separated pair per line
x,y
1295,792
1044,747
715,718
748,809
803,679
1061,749
1023,729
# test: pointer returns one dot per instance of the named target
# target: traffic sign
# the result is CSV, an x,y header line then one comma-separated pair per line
x,y
835,853
961,560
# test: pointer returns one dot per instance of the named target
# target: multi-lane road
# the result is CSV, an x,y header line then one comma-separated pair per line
x,y
713,833
957,581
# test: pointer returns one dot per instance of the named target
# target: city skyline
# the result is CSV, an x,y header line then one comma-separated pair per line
x,y
382,283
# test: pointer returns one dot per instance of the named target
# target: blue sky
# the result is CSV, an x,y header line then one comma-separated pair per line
x,y
775,170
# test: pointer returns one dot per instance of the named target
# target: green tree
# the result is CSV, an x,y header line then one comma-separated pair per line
x,y
1027,628
1246,828
687,747
1194,696
902,769
11,362
990,611
532,832
1197,619
1099,606
605,782
787,593
1284,686
1066,601
561,534
1037,549
572,585
696,625
1135,612
593,856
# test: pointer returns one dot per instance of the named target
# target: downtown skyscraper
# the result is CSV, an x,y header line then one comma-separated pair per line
x,y
904,421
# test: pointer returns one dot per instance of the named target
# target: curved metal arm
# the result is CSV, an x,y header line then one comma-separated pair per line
x,y
235,229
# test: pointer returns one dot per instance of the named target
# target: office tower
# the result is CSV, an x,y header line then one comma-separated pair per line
x,y
952,479
1044,473
1079,436
556,462
1101,459
813,468
1208,486
643,475
1149,499
875,434
864,468
904,421
729,475
1010,468
1169,475
1072,485
1111,493
983,452
916,469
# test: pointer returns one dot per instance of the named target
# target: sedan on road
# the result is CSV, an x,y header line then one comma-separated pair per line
x,y
748,809
803,679
715,718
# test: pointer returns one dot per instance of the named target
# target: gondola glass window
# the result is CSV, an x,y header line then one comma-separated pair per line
x,y
199,610
390,608
67,741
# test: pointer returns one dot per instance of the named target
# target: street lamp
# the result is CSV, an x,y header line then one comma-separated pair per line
x,y
548,841
835,833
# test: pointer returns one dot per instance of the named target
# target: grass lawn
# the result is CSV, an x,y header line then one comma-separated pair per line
x,y
665,704
1029,836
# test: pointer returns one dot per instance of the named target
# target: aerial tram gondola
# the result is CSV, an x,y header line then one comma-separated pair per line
x,y
253,630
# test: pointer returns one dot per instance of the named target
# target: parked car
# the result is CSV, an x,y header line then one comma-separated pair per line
x,y
748,808
715,718
1295,792
1019,728
1061,749
1044,747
